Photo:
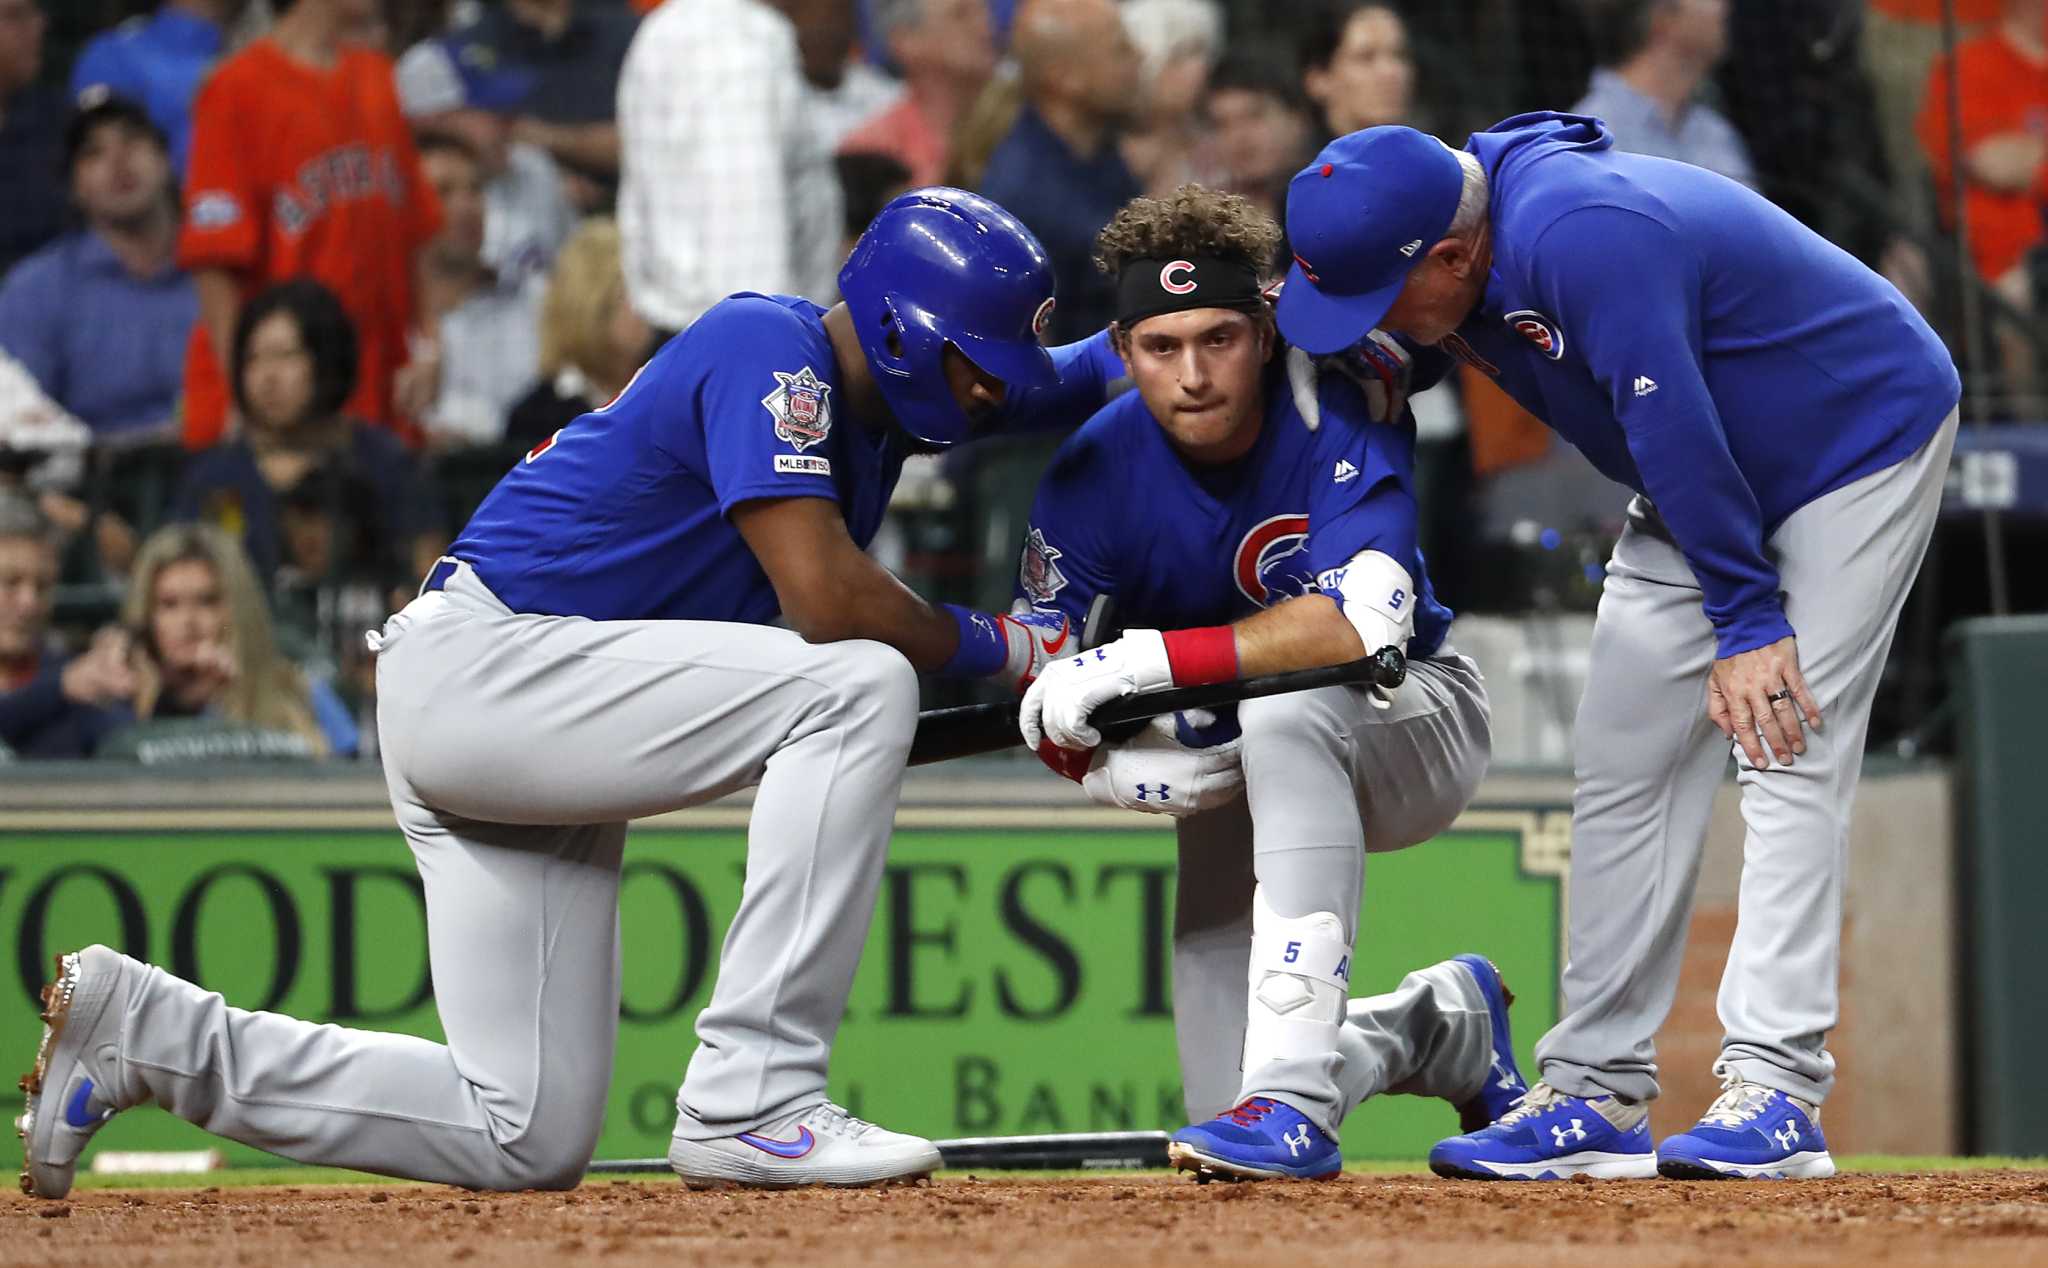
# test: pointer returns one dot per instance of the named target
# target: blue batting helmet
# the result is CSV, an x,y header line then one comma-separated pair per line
x,y
942,266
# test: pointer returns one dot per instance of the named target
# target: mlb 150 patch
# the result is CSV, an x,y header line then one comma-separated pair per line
x,y
801,406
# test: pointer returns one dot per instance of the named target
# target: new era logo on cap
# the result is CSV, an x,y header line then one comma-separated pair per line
x,y
1366,211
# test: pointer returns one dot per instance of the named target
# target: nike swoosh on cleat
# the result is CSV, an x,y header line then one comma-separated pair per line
x,y
782,1148
79,1112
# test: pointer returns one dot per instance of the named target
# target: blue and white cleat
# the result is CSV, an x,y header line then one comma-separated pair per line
x,y
70,1089
1750,1132
1504,1083
1552,1136
1260,1139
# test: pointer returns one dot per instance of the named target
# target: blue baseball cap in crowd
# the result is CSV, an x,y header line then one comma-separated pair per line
x,y
1358,219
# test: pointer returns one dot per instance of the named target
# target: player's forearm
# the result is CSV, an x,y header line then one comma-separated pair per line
x,y
1302,633
862,599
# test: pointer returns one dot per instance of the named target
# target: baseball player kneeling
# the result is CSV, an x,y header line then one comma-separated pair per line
x,y
1253,517
599,646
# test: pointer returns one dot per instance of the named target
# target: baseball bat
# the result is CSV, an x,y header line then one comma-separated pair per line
x,y
943,734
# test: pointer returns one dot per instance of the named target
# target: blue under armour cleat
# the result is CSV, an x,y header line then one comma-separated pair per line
x,y
1552,1136
1504,1082
1260,1139
1751,1132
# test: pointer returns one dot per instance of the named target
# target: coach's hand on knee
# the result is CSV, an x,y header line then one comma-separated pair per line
x,y
1759,699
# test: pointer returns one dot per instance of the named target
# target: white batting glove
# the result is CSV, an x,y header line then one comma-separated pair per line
x,y
1378,597
1057,706
1156,773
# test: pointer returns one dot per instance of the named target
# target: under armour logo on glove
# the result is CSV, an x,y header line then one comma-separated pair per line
x,y
1154,792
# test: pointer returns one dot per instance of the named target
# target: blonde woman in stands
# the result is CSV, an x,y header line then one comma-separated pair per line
x,y
206,648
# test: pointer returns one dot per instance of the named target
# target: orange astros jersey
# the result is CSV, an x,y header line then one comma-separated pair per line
x,y
301,171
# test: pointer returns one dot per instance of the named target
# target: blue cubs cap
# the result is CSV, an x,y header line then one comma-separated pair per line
x,y
1358,219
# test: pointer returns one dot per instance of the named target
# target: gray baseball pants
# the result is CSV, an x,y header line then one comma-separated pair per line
x,y
516,747
1329,779
1648,764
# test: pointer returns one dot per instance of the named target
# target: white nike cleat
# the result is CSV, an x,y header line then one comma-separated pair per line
x,y
820,1145
72,1087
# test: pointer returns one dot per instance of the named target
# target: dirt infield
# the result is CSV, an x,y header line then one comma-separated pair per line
x,y
1989,1217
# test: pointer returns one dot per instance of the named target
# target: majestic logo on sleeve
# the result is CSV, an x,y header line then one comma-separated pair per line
x,y
1176,286
1539,330
1037,573
801,406
1269,565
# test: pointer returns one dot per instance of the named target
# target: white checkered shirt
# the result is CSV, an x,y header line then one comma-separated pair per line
x,y
725,185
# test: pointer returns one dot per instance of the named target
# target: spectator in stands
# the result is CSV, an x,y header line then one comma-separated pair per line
x,y
302,164
1059,170
1178,42
101,317
725,186
946,54
984,126
482,336
869,181
158,62
1262,127
591,339
295,357
2002,88
1355,65
570,53
1647,86
527,213
840,91
1901,40
51,705
208,649
32,118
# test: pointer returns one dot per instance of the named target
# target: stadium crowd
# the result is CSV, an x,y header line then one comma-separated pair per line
x,y
287,285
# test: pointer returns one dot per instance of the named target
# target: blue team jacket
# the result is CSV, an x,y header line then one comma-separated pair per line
x,y
1698,344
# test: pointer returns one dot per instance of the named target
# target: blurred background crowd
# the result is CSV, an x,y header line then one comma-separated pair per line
x,y
285,285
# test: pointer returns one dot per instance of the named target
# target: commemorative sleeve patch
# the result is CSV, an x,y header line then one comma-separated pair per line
x,y
800,464
801,406
1040,577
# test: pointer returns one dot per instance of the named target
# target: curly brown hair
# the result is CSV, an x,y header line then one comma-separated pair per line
x,y
1195,220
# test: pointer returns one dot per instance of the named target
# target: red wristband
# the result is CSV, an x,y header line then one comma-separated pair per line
x,y
1199,657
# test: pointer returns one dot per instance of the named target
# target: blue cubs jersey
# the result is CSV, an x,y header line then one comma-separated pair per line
x,y
1120,512
623,514
1698,345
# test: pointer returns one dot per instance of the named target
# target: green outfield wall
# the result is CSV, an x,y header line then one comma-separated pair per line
x,y
1016,979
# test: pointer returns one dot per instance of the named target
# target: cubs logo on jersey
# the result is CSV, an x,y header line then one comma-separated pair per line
x,y
1539,330
801,406
1037,572
1271,564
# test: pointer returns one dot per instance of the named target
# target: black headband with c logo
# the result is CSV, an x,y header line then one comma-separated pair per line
x,y
1149,287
